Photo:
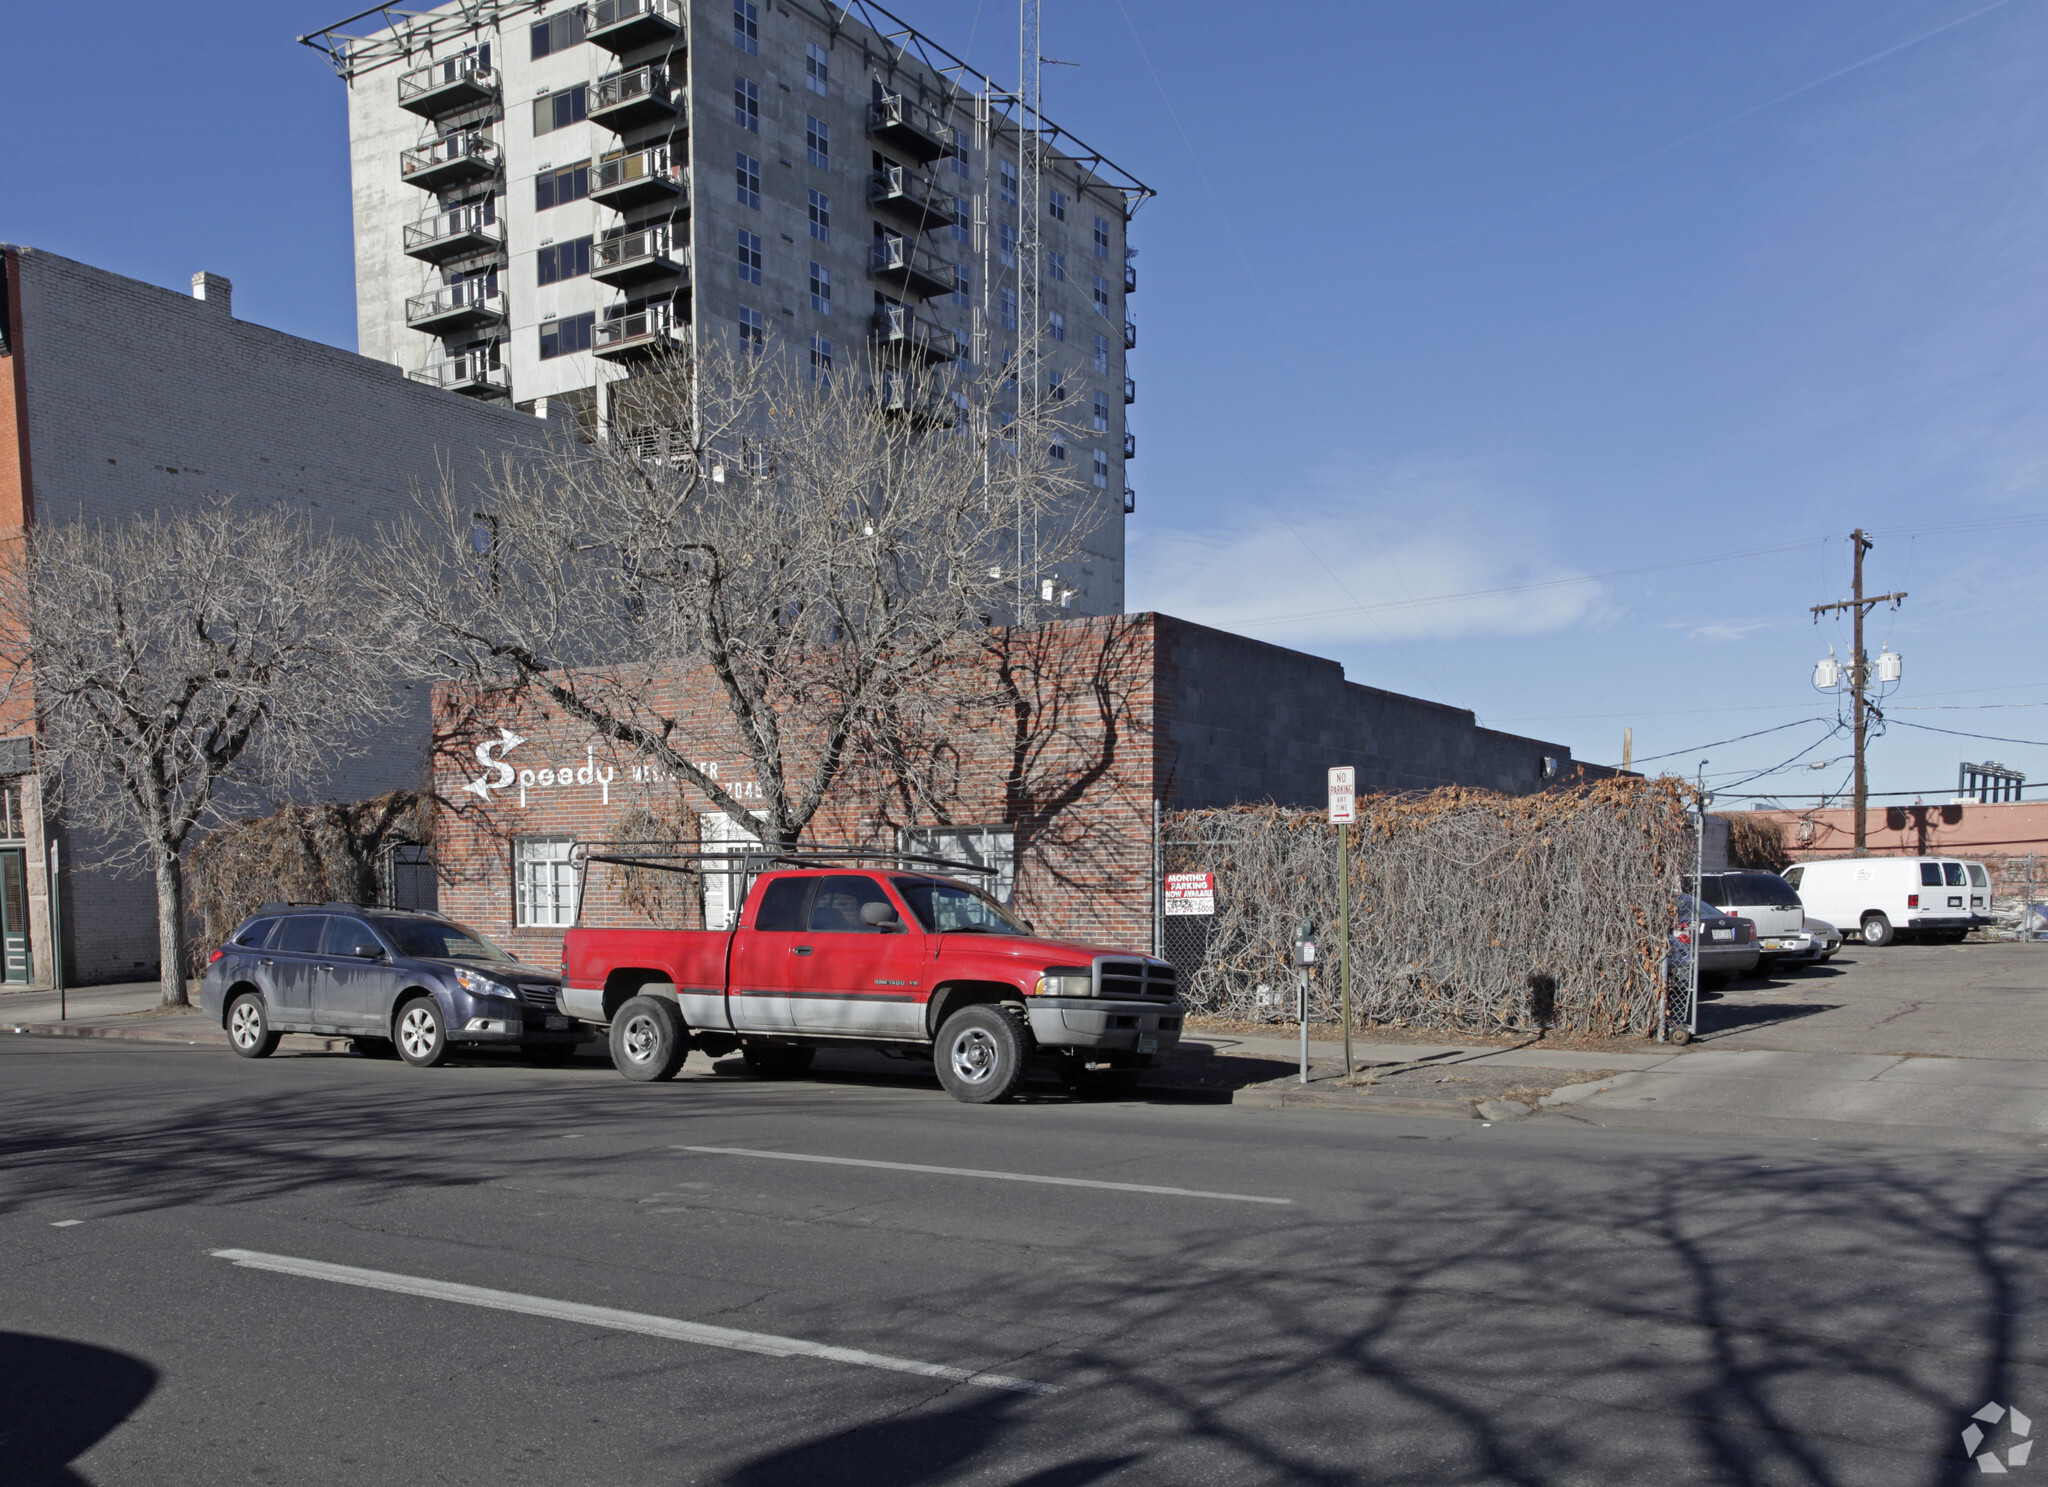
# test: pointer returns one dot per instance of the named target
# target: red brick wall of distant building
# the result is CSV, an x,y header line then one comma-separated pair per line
x,y
2002,836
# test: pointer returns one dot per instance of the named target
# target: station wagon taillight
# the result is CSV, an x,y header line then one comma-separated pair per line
x,y
217,954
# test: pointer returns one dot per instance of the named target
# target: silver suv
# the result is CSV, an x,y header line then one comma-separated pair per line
x,y
396,980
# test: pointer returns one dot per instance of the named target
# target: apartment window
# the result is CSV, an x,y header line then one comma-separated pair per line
x,y
1101,470
821,216
1056,387
821,358
749,174
560,110
560,337
1009,309
963,214
570,260
750,258
1056,265
1056,203
1102,411
1006,182
746,103
961,287
1006,244
1058,448
821,289
547,881
558,34
817,70
958,161
1102,354
817,141
1101,295
1056,326
1102,237
746,27
554,188
753,330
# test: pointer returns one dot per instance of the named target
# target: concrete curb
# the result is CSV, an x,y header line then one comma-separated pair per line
x,y
204,1036
1266,1097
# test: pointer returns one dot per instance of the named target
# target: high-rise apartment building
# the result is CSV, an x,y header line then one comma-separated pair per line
x,y
550,195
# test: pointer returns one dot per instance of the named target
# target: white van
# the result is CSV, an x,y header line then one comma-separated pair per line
x,y
1884,897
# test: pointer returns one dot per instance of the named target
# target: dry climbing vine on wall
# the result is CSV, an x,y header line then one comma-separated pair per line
x,y
1470,911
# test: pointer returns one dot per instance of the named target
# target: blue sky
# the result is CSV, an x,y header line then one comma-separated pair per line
x,y
1436,298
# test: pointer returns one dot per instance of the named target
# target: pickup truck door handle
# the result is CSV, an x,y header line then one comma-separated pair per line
x,y
799,949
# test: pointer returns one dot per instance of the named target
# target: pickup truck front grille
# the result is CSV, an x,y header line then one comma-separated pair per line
x,y
1117,978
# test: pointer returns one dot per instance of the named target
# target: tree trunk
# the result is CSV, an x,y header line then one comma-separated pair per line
x,y
170,927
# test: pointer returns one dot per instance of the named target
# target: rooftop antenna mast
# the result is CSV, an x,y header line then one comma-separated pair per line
x,y
1030,373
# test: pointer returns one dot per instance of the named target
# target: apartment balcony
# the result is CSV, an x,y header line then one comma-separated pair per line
x,y
1130,335
454,307
911,128
922,406
645,333
1130,391
902,330
914,270
624,25
1130,446
476,374
912,197
446,87
1130,500
460,233
637,179
628,259
628,100
453,160
1130,277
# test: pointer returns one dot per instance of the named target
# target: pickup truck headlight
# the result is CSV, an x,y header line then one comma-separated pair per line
x,y
1066,981
477,984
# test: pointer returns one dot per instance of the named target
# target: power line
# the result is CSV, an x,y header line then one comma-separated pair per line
x,y
1836,722
1958,733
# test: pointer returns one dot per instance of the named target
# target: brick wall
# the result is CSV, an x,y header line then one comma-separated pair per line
x,y
2009,837
143,399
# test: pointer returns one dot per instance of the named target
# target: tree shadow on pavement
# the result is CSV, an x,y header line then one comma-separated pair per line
x,y
59,1399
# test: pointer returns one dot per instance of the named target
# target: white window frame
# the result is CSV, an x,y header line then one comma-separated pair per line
x,y
544,882
973,846
718,832
817,69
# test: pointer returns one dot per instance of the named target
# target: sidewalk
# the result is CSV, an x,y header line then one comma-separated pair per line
x,y
131,1012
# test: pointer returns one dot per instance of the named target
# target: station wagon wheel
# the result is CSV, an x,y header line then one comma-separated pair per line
x,y
249,1029
649,1039
422,1033
983,1055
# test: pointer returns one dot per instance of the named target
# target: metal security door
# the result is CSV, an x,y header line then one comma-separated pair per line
x,y
19,965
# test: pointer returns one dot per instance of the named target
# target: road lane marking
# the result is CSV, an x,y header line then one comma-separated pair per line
x,y
67,1223
1061,1182
765,1343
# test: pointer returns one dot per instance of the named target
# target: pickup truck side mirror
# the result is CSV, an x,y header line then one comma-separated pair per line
x,y
367,950
881,916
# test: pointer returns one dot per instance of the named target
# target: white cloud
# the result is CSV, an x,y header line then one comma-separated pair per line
x,y
1727,630
1350,562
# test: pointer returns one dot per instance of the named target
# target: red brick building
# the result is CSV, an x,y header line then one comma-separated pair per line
x,y
2010,837
1053,781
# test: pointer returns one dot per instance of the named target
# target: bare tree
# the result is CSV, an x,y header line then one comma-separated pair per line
x,y
174,658
824,544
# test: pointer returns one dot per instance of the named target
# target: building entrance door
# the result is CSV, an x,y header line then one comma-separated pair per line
x,y
17,965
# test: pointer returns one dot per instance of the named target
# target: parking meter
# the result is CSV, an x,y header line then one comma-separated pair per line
x,y
1304,957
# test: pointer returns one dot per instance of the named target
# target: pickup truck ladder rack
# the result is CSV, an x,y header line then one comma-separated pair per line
x,y
744,861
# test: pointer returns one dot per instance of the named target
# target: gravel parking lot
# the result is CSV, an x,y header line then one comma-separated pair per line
x,y
1959,1001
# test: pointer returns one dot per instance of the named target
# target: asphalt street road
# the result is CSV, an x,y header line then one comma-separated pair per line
x,y
416,1261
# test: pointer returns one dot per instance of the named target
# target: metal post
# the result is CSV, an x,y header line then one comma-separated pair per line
x,y
1344,936
1859,675
1301,1007
1699,873
1158,884
57,936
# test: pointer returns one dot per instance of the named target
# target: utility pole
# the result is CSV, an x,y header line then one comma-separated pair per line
x,y
1859,679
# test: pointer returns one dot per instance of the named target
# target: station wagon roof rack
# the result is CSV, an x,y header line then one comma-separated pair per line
x,y
307,903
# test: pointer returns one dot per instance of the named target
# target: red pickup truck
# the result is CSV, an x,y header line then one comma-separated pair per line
x,y
911,963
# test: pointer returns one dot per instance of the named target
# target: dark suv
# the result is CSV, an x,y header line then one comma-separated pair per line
x,y
394,979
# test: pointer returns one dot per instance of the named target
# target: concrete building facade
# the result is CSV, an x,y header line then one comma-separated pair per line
x,y
550,194
1055,785
119,398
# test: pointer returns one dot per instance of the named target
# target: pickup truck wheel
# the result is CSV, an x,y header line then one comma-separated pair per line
x,y
1877,930
983,1055
765,1061
649,1041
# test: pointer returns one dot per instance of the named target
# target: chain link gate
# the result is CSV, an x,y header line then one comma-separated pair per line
x,y
406,877
1196,944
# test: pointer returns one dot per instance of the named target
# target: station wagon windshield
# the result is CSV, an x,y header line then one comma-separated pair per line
x,y
949,908
429,939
